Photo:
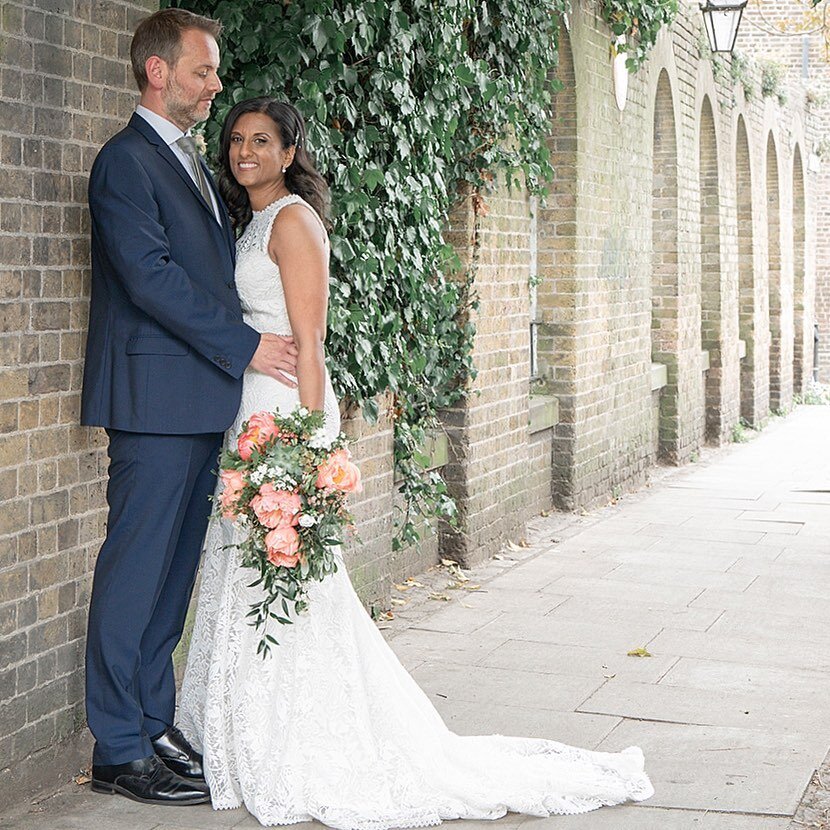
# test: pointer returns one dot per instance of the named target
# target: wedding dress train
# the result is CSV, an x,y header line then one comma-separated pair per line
x,y
331,726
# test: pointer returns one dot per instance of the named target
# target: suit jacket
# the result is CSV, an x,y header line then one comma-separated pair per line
x,y
167,346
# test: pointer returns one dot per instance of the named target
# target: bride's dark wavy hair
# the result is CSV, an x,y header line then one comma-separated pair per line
x,y
301,177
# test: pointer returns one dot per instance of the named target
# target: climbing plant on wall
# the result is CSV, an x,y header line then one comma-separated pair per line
x,y
402,100
405,102
640,22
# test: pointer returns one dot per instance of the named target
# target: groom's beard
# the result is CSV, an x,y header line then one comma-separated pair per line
x,y
183,112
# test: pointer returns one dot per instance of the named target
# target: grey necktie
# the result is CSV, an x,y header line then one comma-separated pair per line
x,y
188,145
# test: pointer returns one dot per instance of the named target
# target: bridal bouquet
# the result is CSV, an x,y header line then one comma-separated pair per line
x,y
286,485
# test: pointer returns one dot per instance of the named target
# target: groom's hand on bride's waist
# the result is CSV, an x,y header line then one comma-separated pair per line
x,y
276,356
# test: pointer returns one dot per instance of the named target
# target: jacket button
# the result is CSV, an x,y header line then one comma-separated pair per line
x,y
229,284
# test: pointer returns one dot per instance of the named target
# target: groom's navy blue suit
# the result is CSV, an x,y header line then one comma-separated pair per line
x,y
165,356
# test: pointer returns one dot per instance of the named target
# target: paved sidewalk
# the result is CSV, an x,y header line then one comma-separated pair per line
x,y
721,570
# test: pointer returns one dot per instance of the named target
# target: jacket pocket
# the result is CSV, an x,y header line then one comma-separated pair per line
x,y
156,344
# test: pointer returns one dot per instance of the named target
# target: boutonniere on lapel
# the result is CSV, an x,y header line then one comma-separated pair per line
x,y
201,144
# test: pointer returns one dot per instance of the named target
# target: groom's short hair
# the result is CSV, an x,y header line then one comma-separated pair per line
x,y
160,34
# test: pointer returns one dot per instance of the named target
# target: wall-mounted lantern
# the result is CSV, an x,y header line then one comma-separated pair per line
x,y
722,19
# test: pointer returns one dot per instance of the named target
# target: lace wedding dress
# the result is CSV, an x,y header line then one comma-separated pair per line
x,y
331,726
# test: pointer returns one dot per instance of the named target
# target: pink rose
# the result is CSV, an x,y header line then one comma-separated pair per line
x,y
339,473
283,544
261,428
233,483
276,508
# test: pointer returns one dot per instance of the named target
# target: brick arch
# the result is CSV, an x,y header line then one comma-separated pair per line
x,y
710,269
774,273
664,270
747,301
557,294
800,373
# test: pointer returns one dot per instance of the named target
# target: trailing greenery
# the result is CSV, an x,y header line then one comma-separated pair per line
x,y
816,394
743,71
403,101
640,21
772,80
743,431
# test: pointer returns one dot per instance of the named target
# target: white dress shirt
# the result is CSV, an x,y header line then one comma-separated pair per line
x,y
170,134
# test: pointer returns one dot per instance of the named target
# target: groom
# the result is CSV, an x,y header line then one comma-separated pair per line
x,y
164,361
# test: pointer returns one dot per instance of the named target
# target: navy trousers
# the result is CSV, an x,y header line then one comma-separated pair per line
x,y
158,496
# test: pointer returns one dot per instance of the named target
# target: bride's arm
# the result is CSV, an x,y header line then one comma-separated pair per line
x,y
299,249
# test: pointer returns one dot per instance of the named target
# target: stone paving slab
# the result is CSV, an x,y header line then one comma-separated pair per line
x,y
772,625
778,602
796,684
772,710
624,591
806,588
644,817
703,533
596,662
709,560
683,548
766,651
629,613
475,684
721,768
722,569
551,629
661,572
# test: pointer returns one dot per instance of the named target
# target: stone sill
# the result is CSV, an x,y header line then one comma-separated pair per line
x,y
544,412
741,349
704,360
659,376
436,448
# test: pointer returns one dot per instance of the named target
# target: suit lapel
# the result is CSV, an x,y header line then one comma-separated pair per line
x,y
223,209
139,124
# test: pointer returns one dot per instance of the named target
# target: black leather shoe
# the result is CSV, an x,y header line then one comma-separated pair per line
x,y
148,781
178,755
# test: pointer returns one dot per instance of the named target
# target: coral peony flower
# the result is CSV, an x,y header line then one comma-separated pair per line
x,y
276,508
339,473
245,445
261,428
283,544
233,483
264,425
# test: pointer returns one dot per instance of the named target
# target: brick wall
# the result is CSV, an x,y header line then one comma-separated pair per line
x,y
488,428
642,258
808,80
59,101
367,552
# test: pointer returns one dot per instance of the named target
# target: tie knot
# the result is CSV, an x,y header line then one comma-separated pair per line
x,y
188,145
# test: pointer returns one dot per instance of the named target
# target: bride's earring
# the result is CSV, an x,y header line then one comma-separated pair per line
x,y
284,169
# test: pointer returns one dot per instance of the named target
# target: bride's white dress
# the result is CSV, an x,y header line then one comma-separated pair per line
x,y
331,726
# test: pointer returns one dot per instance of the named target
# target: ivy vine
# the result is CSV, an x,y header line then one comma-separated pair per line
x,y
407,103
640,21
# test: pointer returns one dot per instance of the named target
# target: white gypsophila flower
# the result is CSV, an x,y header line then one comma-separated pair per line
x,y
307,521
319,440
258,475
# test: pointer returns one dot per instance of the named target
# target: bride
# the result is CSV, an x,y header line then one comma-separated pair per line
x,y
330,726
